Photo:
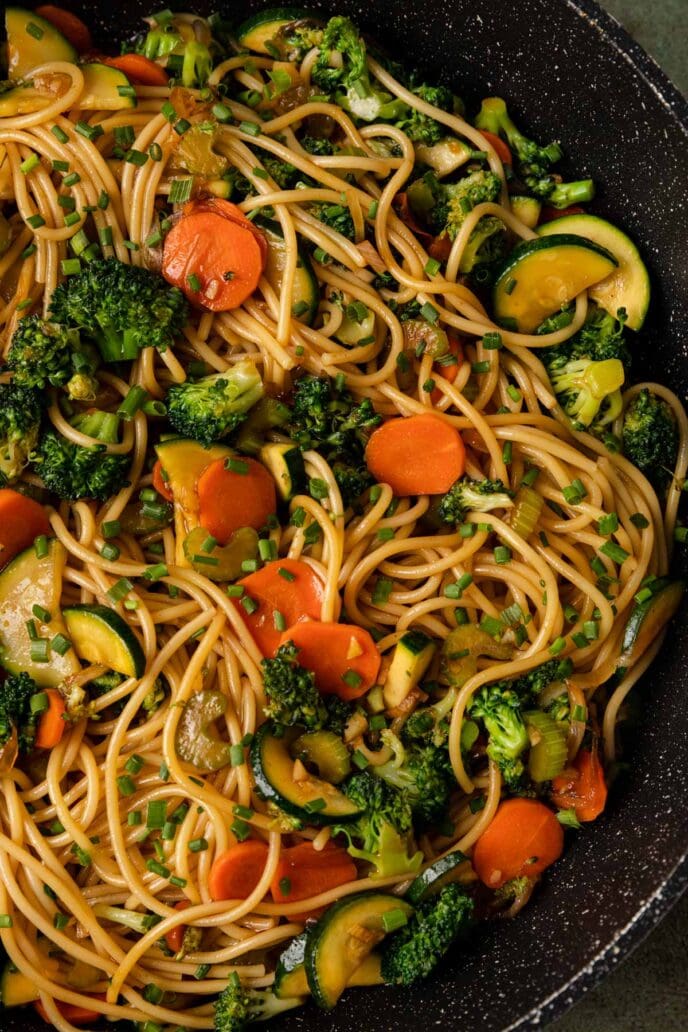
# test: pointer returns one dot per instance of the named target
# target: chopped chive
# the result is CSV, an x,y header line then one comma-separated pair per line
x,y
352,678
614,552
502,555
198,845
60,921
394,919
429,312
126,785
91,132
35,221
249,605
70,266
591,630
492,626
360,760
221,112
235,590
41,613
239,466
639,521
59,134
193,282
480,367
35,30
250,565
40,650
39,702
136,157
60,644
530,476
155,573
507,452
155,867
250,128
119,590
180,190
30,163
557,646
514,393
382,591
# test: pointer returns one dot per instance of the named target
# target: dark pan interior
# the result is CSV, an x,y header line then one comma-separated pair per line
x,y
570,73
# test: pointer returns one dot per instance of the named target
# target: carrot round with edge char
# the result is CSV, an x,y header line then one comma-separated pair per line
x,y
343,657
21,521
229,500
582,788
303,872
286,586
51,725
215,260
416,455
524,838
230,211
236,872
71,27
140,70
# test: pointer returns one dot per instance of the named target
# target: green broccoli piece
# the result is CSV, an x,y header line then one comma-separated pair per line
x,y
422,772
421,128
468,495
339,714
16,714
600,338
416,949
499,708
327,418
72,471
650,437
209,409
293,697
44,354
285,175
238,1006
186,57
430,724
317,145
336,216
124,308
590,392
348,77
533,162
458,199
382,835
528,686
20,420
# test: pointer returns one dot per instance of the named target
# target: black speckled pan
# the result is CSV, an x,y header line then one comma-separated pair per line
x,y
571,73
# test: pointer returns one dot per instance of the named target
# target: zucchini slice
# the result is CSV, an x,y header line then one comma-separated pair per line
x,y
102,86
258,30
629,285
648,618
290,975
100,635
25,98
352,333
527,209
540,276
412,657
24,583
326,751
453,867
312,800
33,41
184,461
443,157
344,936
223,562
285,462
306,291
16,989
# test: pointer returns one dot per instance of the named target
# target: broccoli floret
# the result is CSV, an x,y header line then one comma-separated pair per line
x,y
317,145
124,308
285,175
187,57
293,41
650,437
533,162
209,409
45,354
479,187
499,708
416,949
16,692
336,216
430,724
422,772
239,1006
73,471
590,392
348,76
528,686
600,338
339,714
293,697
327,418
468,495
382,834
20,418
421,128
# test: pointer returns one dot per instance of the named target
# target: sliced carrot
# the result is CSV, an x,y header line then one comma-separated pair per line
x,y
236,872
71,27
583,787
215,260
498,145
416,455
51,725
303,872
449,372
71,1012
549,214
140,70
230,211
286,586
21,521
229,500
175,938
343,657
440,247
524,838
160,484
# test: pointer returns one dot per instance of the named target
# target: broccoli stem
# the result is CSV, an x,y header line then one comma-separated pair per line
x,y
565,194
116,347
104,426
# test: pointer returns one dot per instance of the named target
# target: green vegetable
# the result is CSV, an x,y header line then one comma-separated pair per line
x,y
289,32
381,833
209,409
649,617
548,751
468,495
583,387
499,708
20,417
650,437
421,128
239,1006
327,752
100,635
293,697
421,772
222,562
197,741
16,716
414,951
124,308
187,49
413,654
445,871
28,49
44,354
461,649
73,471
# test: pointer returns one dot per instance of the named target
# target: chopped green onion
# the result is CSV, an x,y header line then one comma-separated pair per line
x,y
198,845
126,785
557,646
614,552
